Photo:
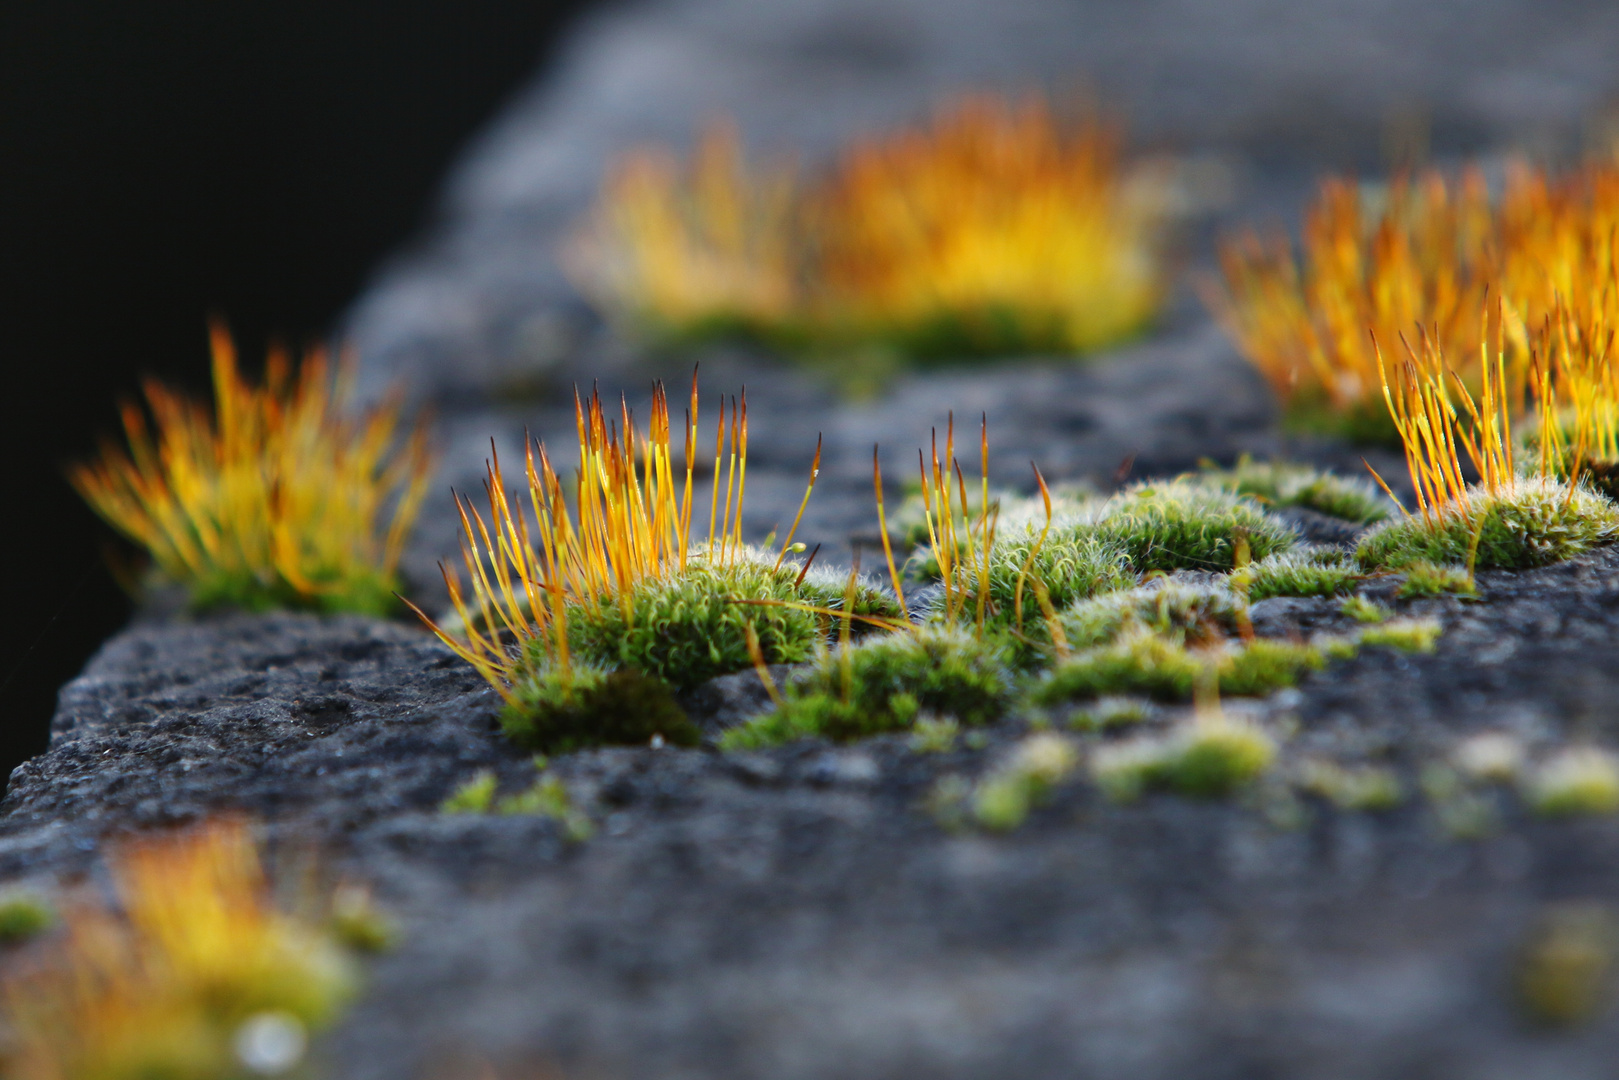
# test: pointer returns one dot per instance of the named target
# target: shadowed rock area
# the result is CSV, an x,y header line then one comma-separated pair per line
x,y
809,912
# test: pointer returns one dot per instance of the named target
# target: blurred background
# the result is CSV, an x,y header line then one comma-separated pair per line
x,y
172,158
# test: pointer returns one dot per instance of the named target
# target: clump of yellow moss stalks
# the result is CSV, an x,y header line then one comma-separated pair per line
x,y
195,973
276,497
1379,261
992,229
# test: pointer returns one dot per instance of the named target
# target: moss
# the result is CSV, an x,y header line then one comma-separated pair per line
x,y
1532,523
1205,757
475,796
1577,780
1146,663
1491,757
1408,635
934,735
1363,610
1183,525
1424,579
1311,573
1071,565
883,684
687,628
1003,799
1364,787
1180,611
1279,483
557,710
358,923
548,797
23,915
1566,971
1111,712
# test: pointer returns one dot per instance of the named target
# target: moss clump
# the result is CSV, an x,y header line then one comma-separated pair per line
x,y
1146,663
23,915
557,710
1363,610
359,923
1279,483
1407,635
1364,787
1566,971
1071,565
688,628
1577,780
1530,523
1184,525
1310,573
1004,798
1182,612
1205,757
1111,712
882,685
1424,579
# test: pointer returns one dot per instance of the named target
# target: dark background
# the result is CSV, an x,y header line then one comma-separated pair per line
x,y
165,159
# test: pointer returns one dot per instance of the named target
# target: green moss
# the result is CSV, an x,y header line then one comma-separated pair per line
x,y
687,628
1575,781
882,685
1363,610
1279,483
1182,612
1205,757
1311,573
548,797
1184,525
1408,635
1146,663
1533,523
1003,799
1071,565
559,710
1423,579
23,915
1364,787
1111,712
934,734
475,796
358,923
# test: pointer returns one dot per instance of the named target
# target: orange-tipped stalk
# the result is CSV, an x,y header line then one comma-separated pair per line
x,y
274,497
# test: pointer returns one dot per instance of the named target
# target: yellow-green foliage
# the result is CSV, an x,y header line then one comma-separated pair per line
x,y
994,229
1529,522
1363,610
1111,712
1280,483
546,797
1408,635
559,709
1321,572
23,915
1145,663
1184,525
1206,756
1565,976
1363,787
274,498
1577,780
883,684
165,984
1423,578
1003,798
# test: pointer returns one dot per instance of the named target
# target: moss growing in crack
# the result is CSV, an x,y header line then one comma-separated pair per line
x,y
1182,612
1529,522
1146,663
1279,483
1363,610
1407,635
1184,525
1206,757
1423,578
688,628
557,710
884,684
1323,572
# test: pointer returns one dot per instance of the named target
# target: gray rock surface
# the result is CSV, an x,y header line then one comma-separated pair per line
x,y
799,912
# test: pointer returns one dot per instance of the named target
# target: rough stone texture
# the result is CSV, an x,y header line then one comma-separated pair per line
x,y
798,913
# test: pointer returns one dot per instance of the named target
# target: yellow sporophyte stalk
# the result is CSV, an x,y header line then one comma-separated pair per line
x,y
992,228
630,521
277,496
164,983
682,251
